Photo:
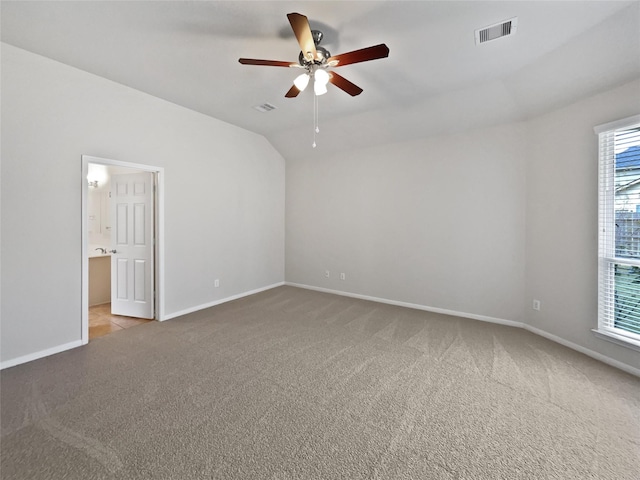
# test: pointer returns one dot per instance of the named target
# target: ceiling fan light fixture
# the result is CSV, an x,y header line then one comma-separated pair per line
x,y
301,81
319,88
321,76
315,59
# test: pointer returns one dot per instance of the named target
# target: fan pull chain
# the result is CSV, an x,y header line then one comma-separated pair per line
x,y
315,119
317,128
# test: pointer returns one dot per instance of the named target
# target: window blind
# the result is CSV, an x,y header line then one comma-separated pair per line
x,y
619,228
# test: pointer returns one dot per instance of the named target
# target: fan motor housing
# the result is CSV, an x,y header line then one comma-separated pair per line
x,y
322,55
317,36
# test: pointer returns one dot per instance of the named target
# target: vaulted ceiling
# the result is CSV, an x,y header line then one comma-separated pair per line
x,y
435,81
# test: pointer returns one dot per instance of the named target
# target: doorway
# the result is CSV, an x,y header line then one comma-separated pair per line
x,y
98,237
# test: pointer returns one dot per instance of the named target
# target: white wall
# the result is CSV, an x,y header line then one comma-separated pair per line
x,y
437,222
224,196
479,223
562,218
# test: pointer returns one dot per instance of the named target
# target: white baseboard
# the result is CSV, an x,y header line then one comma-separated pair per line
x,y
98,304
42,353
598,356
590,353
67,346
415,306
220,301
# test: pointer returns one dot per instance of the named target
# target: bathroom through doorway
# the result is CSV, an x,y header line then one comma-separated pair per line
x,y
122,240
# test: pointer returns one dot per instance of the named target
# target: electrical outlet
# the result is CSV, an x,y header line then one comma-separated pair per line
x,y
536,305
327,274
343,276
216,283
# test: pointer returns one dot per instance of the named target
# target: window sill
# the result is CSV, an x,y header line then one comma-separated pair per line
x,y
617,339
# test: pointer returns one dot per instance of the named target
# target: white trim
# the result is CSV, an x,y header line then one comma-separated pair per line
x,y
42,353
78,343
590,353
84,272
621,340
622,260
159,244
220,301
415,306
159,171
120,163
622,123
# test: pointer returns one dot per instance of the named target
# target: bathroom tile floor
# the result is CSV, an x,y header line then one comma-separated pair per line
x,y
101,322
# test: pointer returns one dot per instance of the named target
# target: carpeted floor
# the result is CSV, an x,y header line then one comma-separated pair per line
x,y
296,384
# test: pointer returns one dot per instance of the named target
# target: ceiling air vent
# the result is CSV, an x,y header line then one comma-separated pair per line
x,y
265,107
492,32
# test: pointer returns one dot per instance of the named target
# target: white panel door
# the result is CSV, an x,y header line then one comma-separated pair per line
x,y
132,257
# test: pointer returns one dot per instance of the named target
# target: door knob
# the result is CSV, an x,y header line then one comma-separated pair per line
x,y
112,251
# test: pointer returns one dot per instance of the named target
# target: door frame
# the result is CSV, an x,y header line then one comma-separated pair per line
x,y
159,236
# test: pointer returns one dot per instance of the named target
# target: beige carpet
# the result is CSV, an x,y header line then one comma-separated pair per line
x,y
295,384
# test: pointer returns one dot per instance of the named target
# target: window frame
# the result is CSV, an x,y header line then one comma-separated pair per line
x,y
606,236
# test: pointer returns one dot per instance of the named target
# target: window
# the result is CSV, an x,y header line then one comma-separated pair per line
x,y
619,230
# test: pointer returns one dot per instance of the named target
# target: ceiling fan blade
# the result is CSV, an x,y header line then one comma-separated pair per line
x,y
300,25
344,84
362,55
293,92
270,63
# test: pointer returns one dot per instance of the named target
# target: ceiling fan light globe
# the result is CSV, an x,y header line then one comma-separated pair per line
x,y
319,88
321,76
301,81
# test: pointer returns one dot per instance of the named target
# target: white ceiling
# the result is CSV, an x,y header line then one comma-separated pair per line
x,y
435,81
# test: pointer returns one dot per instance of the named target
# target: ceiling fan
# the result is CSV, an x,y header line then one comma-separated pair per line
x,y
315,60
